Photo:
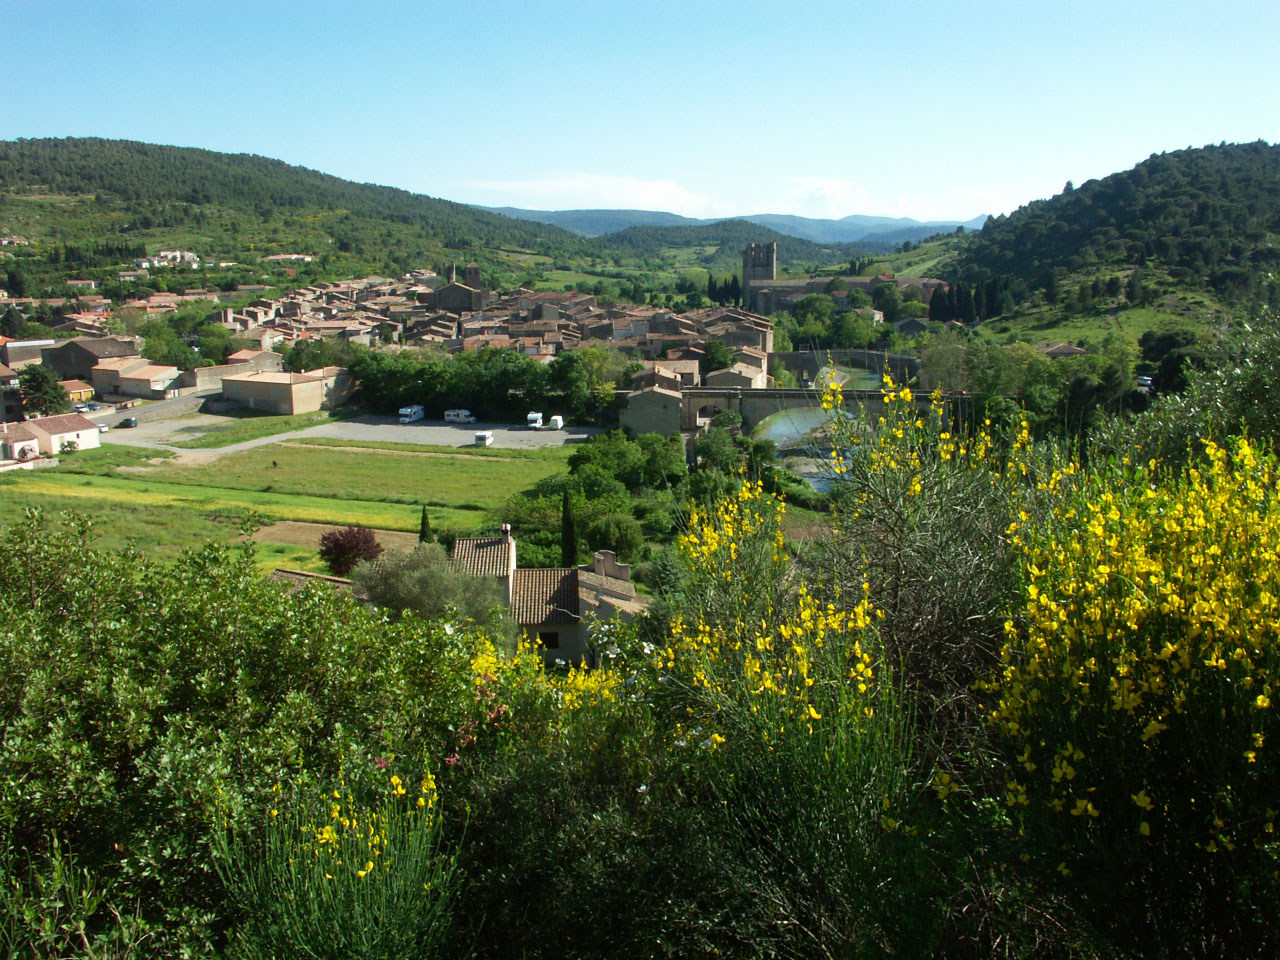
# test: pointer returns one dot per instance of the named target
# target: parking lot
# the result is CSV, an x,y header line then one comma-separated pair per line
x,y
158,431
439,433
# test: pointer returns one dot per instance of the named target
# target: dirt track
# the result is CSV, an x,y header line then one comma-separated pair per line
x,y
298,534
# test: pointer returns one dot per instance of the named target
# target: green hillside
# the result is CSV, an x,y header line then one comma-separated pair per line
x,y
91,204
723,243
158,183
1183,240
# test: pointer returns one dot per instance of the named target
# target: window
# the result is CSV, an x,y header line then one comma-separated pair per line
x,y
549,640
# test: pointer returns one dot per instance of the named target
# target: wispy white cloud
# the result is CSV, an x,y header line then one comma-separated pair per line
x,y
817,197
826,198
586,191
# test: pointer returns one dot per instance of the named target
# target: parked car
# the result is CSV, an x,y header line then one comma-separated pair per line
x,y
81,408
93,405
128,422
103,428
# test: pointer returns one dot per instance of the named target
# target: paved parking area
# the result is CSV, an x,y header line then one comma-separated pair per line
x,y
439,433
158,433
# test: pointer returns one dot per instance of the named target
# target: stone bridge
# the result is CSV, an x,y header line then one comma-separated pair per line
x,y
807,363
699,404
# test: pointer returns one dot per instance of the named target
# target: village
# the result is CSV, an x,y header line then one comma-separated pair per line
x,y
424,309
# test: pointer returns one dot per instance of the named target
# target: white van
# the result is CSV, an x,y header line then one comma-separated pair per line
x,y
534,420
484,438
556,423
458,416
410,414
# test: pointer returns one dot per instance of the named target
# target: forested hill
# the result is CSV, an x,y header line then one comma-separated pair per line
x,y
155,182
1208,215
728,238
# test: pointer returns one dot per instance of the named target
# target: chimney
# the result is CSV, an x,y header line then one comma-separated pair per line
x,y
511,563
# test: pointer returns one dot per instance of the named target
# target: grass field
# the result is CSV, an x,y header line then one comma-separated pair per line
x,y
149,499
159,530
550,454
1050,325
457,482
122,492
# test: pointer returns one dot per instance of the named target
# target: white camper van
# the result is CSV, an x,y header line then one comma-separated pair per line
x,y
410,414
484,438
556,423
535,421
458,416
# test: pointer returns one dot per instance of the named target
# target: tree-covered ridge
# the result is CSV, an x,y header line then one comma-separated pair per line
x,y
729,237
1208,215
143,173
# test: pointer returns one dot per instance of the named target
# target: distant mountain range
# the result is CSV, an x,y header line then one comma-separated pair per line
x,y
852,229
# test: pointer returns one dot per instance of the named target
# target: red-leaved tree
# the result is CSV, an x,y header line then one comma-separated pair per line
x,y
343,549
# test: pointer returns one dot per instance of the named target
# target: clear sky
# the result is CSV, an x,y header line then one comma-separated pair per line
x,y
823,109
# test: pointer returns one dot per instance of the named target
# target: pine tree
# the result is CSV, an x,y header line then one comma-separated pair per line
x,y
568,534
424,528
735,291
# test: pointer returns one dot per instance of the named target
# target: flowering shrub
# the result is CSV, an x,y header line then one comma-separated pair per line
x,y
1136,693
336,878
778,706
921,510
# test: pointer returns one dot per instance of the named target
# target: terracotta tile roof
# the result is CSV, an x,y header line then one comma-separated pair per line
x,y
66,423
151,371
545,596
17,431
484,556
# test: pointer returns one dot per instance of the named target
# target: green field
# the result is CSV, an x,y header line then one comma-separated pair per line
x,y
456,481
147,499
550,454
1052,325
160,530
128,492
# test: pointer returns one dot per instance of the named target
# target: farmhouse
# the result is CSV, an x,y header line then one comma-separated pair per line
x,y
553,607
53,433
18,442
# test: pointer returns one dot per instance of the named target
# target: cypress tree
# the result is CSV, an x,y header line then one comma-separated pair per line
x,y
1051,290
424,528
568,534
968,313
937,307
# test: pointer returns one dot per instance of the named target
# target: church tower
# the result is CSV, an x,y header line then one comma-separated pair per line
x,y
759,262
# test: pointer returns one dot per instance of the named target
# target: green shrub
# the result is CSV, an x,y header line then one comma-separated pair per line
x,y
333,878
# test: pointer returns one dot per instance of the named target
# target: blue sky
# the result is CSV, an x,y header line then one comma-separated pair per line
x,y
928,110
